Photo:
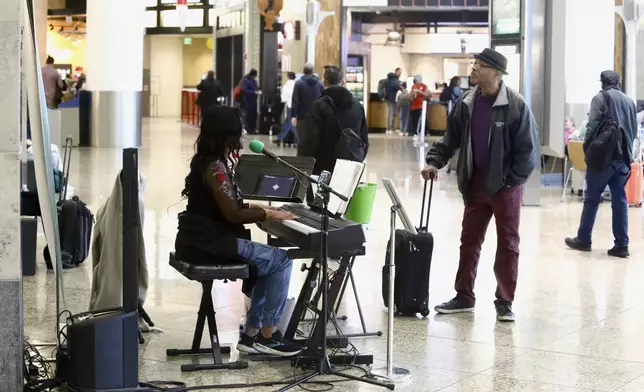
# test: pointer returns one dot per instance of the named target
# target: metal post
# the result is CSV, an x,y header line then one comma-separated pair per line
x,y
391,373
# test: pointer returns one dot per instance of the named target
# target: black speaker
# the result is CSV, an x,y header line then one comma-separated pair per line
x,y
103,350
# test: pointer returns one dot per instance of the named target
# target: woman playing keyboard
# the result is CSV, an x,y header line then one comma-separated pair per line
x,y
212,228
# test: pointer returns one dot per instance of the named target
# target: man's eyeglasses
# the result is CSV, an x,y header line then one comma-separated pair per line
x,y
481,65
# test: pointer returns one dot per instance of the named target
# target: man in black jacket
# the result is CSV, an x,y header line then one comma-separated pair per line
x,y
210,91
497,136
336,110
306,90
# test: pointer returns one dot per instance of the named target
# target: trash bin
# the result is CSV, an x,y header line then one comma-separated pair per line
x,y
361,204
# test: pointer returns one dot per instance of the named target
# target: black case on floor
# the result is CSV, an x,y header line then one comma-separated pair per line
x,y
412,262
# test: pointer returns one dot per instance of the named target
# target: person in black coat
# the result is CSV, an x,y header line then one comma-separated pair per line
x,y
210,91
336,110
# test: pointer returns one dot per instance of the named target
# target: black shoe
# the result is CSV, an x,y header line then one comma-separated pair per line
x,y
276,345
619,251
277,142
246,344
504,313
573,243
455,305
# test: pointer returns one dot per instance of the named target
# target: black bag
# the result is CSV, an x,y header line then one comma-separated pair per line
x,y
605,146
75,222
349,146
413,258
382,88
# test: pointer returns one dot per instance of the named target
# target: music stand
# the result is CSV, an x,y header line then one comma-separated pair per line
x,y
400,210
252,167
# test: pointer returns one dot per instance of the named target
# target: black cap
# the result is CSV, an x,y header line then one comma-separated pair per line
x,y
494,59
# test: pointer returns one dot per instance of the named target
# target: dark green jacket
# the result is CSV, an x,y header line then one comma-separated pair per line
x,y
514,144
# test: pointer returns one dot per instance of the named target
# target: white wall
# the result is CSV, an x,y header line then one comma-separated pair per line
x,y
430,66
166,69
385,59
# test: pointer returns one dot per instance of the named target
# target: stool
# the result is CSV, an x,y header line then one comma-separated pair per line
x,y
206,275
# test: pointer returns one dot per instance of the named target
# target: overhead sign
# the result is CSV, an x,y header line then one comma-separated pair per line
x,y
365,3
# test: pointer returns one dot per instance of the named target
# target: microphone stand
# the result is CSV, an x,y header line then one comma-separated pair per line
x,y
324,367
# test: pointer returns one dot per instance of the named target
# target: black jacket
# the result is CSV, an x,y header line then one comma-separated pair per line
x,y
337,104
209,91
306,90
514,144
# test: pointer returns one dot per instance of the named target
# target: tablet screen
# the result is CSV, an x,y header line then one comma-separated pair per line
x,y
276,186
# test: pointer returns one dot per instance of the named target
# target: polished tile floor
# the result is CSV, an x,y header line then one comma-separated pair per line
x,y
580,317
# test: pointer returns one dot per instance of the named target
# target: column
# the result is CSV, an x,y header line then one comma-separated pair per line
x,y
328,40
590,41
114,71
252,37
40,22
11,322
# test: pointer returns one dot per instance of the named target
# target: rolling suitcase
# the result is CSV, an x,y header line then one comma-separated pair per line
x,y
413,259
634,185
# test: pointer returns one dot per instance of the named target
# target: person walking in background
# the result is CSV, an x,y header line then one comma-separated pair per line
x,y
306,90
250,90
419,93
336,111
403,103
210,92
53,84
498,141
615,175
287,100
393,86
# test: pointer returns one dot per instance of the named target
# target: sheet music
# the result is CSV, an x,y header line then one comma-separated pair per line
x,y
344,180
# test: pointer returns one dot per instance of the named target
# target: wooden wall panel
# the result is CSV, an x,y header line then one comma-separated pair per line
x,y
619,44
327,47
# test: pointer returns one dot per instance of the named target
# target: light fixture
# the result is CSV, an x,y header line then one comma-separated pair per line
x,y
61,29
51,27
393,35
182,10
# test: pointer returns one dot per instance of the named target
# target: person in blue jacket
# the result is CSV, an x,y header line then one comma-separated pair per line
x,y
250,91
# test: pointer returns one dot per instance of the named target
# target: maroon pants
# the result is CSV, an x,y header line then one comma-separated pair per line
x,y
505,206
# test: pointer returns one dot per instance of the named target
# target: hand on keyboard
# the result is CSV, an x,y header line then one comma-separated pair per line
x,y
279,215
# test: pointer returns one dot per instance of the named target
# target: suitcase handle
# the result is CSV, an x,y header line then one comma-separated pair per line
x,y
67,160
429,205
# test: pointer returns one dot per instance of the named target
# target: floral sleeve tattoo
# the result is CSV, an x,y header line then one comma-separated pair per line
x,y
220,173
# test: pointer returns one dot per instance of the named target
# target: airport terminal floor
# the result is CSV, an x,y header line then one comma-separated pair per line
x,y
579,316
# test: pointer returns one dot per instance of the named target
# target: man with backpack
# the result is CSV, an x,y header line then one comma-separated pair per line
x,y
608,149
392,87
338,125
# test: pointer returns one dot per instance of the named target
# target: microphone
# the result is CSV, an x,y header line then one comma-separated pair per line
x,y
257,147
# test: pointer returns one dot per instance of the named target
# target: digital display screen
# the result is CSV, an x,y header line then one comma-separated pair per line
x,y
506,17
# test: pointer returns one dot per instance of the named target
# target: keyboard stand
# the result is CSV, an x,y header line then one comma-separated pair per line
x,y
304,303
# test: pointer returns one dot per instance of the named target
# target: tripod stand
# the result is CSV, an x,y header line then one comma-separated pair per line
x,y
324,365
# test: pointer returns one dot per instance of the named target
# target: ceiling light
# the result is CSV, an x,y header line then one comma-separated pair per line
x,y
60,29
393,35
51,27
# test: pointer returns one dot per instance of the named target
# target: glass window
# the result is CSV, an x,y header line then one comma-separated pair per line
x,y
150,19
170,18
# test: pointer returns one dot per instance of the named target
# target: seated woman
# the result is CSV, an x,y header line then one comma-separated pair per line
x,y
212,228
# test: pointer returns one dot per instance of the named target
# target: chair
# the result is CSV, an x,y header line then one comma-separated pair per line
x,y
206,275
577,162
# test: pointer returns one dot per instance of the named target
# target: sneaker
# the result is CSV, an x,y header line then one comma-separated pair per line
x,y
455,305
504,313
276,345
619,251
573,243
246,344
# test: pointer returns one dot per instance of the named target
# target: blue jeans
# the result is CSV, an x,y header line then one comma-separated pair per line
x,y
273,277
615,177
288,127
404,118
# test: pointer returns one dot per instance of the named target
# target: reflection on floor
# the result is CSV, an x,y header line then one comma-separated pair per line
x,y
579,316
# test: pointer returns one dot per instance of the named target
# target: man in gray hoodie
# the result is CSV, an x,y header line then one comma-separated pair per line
x,y
616,174
306,90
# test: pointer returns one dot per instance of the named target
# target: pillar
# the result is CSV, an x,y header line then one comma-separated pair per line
x,y
114,71
11,322
252,37
41,25
590,49
328,40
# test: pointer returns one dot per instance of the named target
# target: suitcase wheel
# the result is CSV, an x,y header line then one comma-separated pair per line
x,y
425,313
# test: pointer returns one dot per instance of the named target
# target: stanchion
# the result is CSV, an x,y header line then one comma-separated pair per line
x,y
391,373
